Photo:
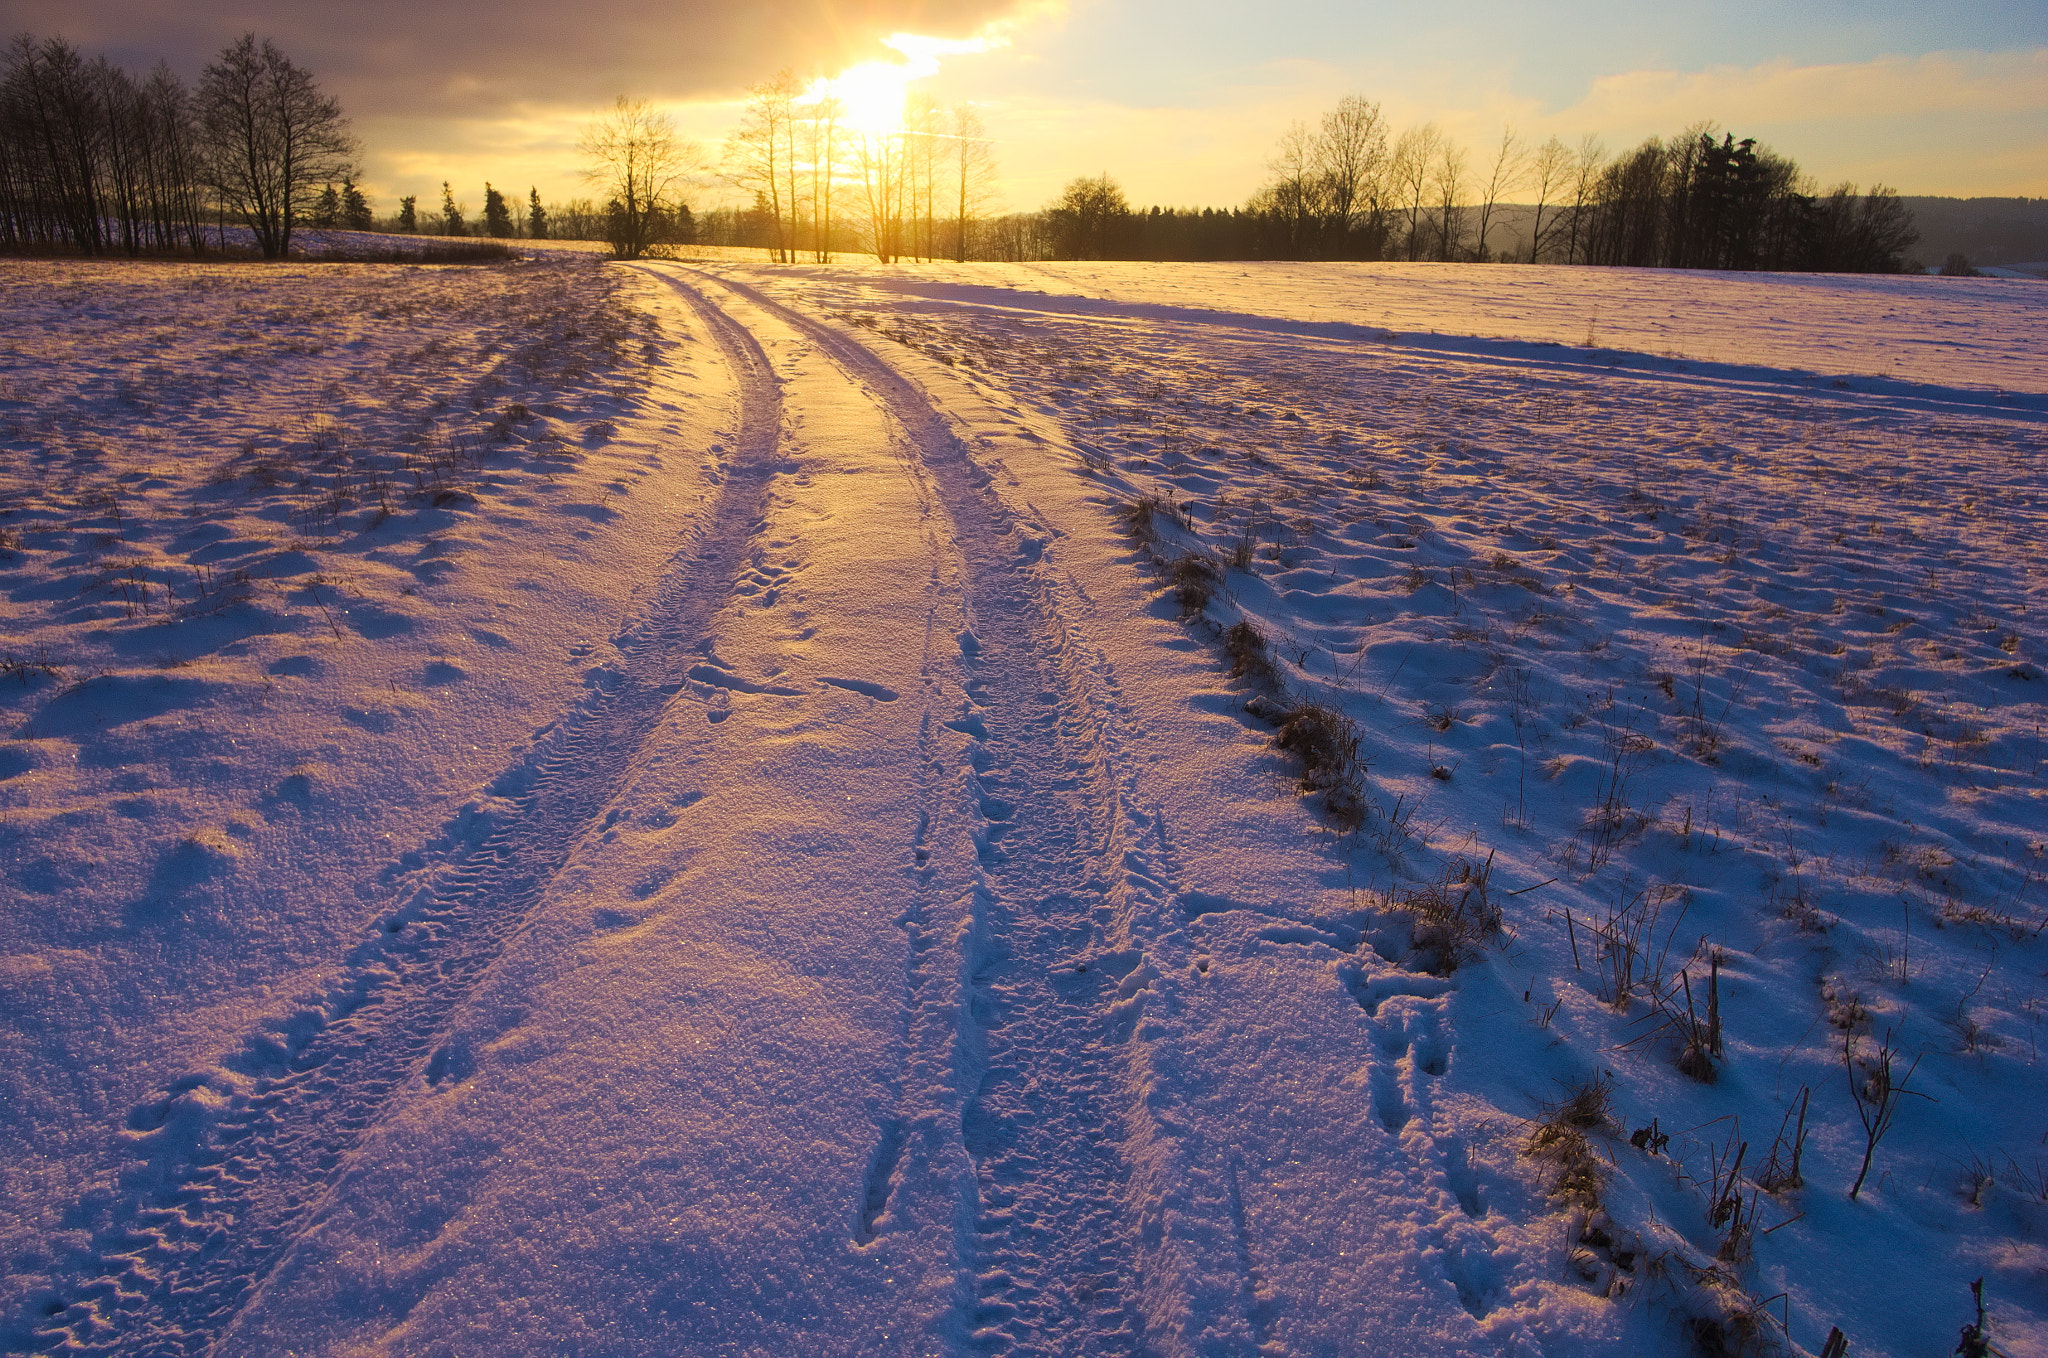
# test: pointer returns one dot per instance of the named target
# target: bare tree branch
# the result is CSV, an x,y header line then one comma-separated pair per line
x,y
637,159
269,138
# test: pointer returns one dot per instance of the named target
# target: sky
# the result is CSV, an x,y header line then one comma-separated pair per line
x,y
1181,101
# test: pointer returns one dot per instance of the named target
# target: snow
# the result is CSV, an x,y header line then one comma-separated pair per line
x,y
1979,337
758,859
251,700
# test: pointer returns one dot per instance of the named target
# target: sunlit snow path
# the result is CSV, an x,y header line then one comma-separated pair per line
x,y
1032,1074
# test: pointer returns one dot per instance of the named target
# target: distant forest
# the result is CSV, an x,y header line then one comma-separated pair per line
x,y
94,159
1348,188
2005,232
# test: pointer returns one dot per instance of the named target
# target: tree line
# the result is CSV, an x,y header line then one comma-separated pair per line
x,y
821,186
816,183
98,160
1348,187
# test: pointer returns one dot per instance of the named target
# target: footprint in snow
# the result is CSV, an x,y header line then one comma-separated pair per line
x,y
861,686
714,677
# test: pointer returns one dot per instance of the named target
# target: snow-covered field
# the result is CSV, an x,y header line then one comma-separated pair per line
x,y
1985,340
707,808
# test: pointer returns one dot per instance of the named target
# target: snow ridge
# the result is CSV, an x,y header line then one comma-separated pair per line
x,y
241,1160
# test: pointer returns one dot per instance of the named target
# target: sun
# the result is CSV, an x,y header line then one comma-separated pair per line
x,y
871,95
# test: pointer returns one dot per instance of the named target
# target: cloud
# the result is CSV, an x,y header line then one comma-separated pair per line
x,y
1984,83
1962,123
455,58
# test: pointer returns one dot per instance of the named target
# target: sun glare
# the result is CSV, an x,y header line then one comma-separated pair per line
x,y
871,95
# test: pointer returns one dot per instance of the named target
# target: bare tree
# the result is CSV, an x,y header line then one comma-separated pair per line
x,y
792,176
878,157
1327,197
1689,236
1549,171
577,219
1447,186
1087,218
1506,176
637,159
181,200
124,136
142,135
54,118
270,138
1414,155
974,166
923,129
824,149
1351,158
761,156
1585,175
1295,197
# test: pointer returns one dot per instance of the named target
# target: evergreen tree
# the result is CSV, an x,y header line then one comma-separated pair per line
x,y
355,208
497,217
327,208
452,223
1728,204
536,216
408,214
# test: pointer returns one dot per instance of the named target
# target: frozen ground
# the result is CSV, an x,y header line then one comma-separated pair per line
x,y
705,809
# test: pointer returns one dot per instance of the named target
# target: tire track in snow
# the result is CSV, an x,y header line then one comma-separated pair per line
x,y
910,1144
1049,1238
913,1142
240,1161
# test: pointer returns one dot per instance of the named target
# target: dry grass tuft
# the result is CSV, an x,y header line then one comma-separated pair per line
x,y
465,252
1195,578
1326,742
30,668
1455,914
1560,1138
1137,517
1250,657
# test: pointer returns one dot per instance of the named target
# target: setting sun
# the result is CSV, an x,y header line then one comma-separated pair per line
x,y
871,94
